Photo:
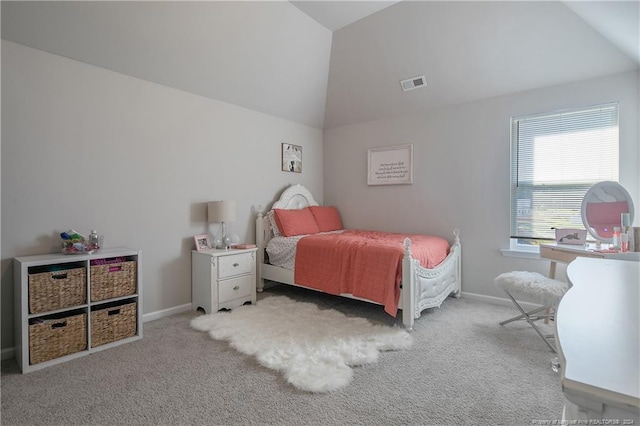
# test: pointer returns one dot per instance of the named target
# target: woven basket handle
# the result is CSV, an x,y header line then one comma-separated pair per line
x,y
113,312
59,324
59,276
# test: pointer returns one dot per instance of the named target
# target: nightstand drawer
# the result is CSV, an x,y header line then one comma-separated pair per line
x,y
235,288
235,264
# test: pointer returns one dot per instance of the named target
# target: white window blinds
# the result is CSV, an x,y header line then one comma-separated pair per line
x,y
555,158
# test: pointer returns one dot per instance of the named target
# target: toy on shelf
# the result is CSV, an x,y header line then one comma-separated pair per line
x,y
74,242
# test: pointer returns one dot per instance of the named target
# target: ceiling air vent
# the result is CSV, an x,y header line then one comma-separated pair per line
x,y
413,83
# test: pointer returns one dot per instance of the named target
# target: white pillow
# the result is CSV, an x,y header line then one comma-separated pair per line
x,y
274,226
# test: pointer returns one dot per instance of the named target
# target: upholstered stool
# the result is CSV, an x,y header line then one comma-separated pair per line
x,y
533,287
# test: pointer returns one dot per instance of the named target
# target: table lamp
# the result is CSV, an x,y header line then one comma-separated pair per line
x,y
222,211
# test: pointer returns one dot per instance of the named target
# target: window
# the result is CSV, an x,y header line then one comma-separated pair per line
x,y
555,158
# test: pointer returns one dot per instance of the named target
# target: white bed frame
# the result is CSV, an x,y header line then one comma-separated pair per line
x,y
422,288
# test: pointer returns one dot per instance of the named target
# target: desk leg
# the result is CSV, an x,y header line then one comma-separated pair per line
x,y
552,269
552,274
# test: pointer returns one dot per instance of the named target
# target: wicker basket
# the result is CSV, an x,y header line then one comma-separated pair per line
x,y
53,290
113,280
54,338
113,323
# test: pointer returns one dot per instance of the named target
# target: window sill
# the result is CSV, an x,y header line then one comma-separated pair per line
x,y
522,254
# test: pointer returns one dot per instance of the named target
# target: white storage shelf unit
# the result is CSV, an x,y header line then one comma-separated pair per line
x,y
100,311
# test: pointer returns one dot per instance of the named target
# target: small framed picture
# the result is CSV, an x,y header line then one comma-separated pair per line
x,y
571,236
291,158
202,242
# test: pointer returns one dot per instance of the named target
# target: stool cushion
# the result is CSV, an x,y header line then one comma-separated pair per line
x,y
533,286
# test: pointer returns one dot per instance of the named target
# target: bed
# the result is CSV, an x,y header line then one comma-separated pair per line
x,y
419,287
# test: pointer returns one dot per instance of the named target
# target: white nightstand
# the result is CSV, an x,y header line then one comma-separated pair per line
x,y
222,278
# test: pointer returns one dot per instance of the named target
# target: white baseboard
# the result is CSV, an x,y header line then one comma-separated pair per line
x,y
503,301
152,316
8,353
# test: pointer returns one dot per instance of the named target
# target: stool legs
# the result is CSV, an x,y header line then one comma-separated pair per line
x,y
531,318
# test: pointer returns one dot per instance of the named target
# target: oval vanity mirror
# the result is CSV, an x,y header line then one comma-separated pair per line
x,y
602,207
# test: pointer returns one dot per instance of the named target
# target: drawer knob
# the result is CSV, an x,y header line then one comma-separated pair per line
x,y
235,265
236,288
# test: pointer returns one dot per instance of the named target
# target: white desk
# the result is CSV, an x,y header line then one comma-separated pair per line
x,y
566,253
598,341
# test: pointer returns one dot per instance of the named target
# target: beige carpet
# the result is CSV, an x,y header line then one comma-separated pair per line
x,y
463,368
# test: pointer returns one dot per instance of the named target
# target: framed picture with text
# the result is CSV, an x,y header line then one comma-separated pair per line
x,y
390,165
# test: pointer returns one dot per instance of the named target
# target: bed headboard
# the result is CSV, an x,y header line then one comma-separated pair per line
x,y
293,198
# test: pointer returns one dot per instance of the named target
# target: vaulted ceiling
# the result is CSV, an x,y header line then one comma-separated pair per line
x,y
466,50
338,14
344,65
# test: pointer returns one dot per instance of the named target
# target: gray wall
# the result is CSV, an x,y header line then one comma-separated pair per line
x,y
84,147
461,170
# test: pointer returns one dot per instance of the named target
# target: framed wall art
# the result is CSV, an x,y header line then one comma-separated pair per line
x,y
202,242
291,158
390,165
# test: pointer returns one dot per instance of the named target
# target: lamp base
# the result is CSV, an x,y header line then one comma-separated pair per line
x,y
226,243
223,242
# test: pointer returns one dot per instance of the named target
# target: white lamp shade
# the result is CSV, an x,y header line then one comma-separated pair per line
x,y
222,211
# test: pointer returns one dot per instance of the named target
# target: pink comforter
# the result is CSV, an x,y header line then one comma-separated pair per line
x,y
366,264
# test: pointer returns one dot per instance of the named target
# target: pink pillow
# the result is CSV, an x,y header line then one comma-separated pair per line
x,y
328,218
296,222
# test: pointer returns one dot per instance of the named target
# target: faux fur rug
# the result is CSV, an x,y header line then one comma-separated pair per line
x,y
314,348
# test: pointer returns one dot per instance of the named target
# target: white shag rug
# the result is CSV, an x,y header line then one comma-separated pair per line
x,y
314,348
